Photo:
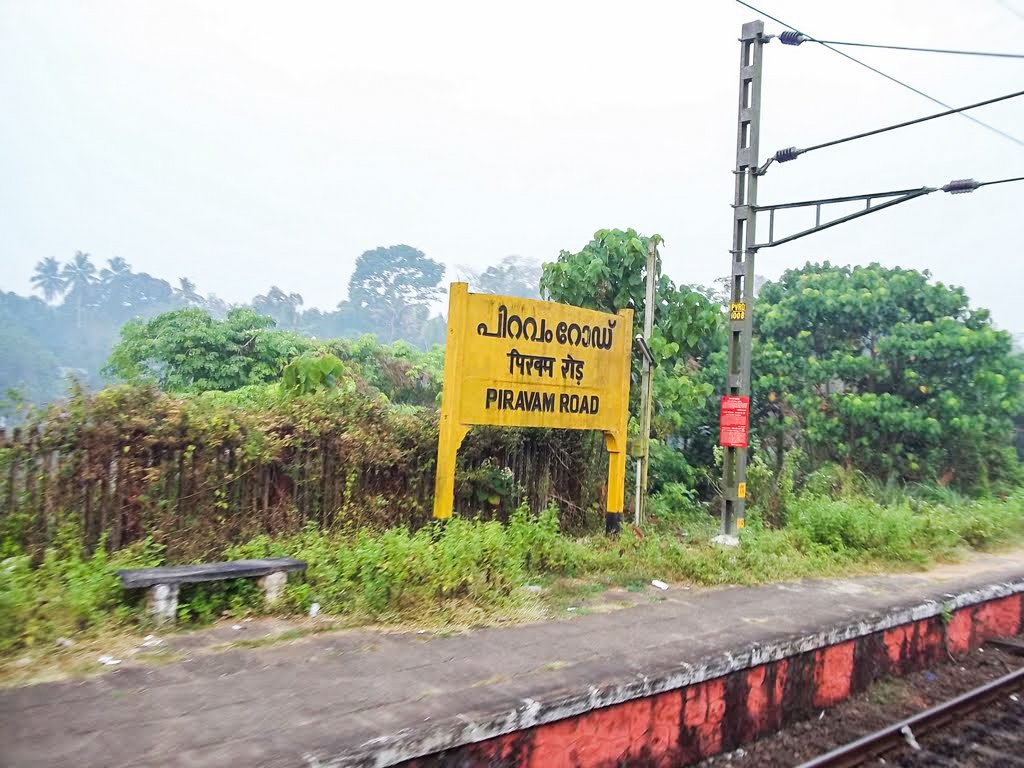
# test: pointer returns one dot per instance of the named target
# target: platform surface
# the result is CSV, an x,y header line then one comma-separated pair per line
x,y
369,698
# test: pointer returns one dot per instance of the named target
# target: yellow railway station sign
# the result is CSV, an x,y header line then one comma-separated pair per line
x,y
515,362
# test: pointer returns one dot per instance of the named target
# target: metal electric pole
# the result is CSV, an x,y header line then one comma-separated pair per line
x,y
735,406
646,384
741,264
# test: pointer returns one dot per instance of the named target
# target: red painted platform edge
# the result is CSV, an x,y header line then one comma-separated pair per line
x,y
704,709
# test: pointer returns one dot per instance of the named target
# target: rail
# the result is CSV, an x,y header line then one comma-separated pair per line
x,y
906,731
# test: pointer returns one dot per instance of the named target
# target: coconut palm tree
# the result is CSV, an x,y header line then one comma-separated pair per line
x,y
80,274
116,267
48,279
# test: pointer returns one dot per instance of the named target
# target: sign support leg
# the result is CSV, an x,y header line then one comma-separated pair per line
x,y
616,485
451,431
448,443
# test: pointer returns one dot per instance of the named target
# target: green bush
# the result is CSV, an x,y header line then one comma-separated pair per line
x,y
385,574
429,573
67,593
677,509
206,602
539,543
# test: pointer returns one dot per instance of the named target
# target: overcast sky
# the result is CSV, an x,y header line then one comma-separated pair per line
x,y
247,144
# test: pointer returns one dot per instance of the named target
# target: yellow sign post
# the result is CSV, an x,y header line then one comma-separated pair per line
x,y
515,362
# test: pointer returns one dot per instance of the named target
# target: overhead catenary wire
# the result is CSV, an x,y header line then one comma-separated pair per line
x,y
784,155
1011,9
887,76
1000,181
955,187
916,49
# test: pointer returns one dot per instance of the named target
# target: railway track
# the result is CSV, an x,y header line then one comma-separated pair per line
x,y
983,727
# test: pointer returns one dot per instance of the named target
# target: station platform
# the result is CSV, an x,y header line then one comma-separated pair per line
x,y
681,676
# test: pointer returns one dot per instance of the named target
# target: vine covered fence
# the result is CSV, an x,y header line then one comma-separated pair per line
x,y
129,463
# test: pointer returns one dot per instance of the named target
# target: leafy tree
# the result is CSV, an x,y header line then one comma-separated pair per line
x,y
434,332
48,278
881,369
312,372
122,294
215,305
512,276
188,351
33,342
610,274
399,371
85,308
187,294
283,307
391,287
27,366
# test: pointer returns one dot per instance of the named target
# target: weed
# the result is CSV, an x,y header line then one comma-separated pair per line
x,y
262,642
159,656
472,572
887,691
67,593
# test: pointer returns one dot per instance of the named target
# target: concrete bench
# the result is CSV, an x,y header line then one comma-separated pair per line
x,y
163,583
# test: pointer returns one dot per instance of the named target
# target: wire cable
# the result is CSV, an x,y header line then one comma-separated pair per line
x,y
1011,9
792,153
1001,181
924,50
918,91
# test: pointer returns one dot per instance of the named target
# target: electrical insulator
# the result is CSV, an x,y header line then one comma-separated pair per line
x,y
961,186
789,37
785,155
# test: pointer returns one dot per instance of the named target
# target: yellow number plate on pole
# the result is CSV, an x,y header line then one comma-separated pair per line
x,y
524,363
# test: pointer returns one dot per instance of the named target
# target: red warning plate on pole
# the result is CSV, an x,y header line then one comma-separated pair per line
x,y
733,421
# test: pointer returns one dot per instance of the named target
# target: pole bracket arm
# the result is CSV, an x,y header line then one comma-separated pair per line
x,y
888,199
645,350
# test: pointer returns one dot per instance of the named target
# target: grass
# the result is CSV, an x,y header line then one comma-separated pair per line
x,y
158,656
287,636
888,691
262,642
469,573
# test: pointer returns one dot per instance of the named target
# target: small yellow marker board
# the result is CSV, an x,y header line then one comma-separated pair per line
x,y
741,523
738,311
515,362
741,490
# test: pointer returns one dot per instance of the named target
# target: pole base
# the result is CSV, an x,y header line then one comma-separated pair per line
x,y
726,540
612,523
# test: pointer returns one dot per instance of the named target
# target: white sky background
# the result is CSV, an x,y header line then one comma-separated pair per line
x,y
248,144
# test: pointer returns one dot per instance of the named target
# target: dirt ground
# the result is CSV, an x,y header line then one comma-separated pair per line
x,y
887,701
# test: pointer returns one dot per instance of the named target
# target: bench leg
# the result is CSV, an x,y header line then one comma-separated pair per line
x,y
273,585
162,603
